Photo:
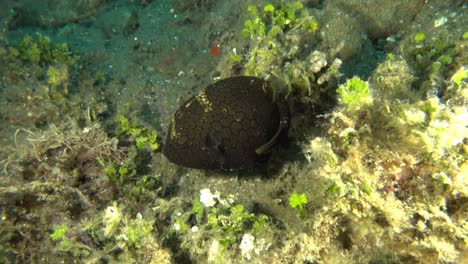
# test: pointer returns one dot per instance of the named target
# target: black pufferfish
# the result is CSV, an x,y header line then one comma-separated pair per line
x,y
230,124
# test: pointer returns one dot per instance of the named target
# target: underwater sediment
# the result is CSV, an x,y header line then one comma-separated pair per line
x,y
374,168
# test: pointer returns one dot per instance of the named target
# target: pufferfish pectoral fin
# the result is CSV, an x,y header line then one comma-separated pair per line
x,y
283,126
267,147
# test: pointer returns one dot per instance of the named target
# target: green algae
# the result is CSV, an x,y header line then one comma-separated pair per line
x,y
60,232
354,93
298,201
143,137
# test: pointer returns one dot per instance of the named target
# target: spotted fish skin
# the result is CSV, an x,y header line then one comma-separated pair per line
x,y
223,125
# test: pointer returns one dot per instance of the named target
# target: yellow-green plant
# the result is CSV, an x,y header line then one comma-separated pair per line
x,y
430,55
225,222
460,75
117,173
298,201
354,93
253,27
59,235
276,32
143,137
128,231
41,50
60,232
136,230
274,20
419,37
57,75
